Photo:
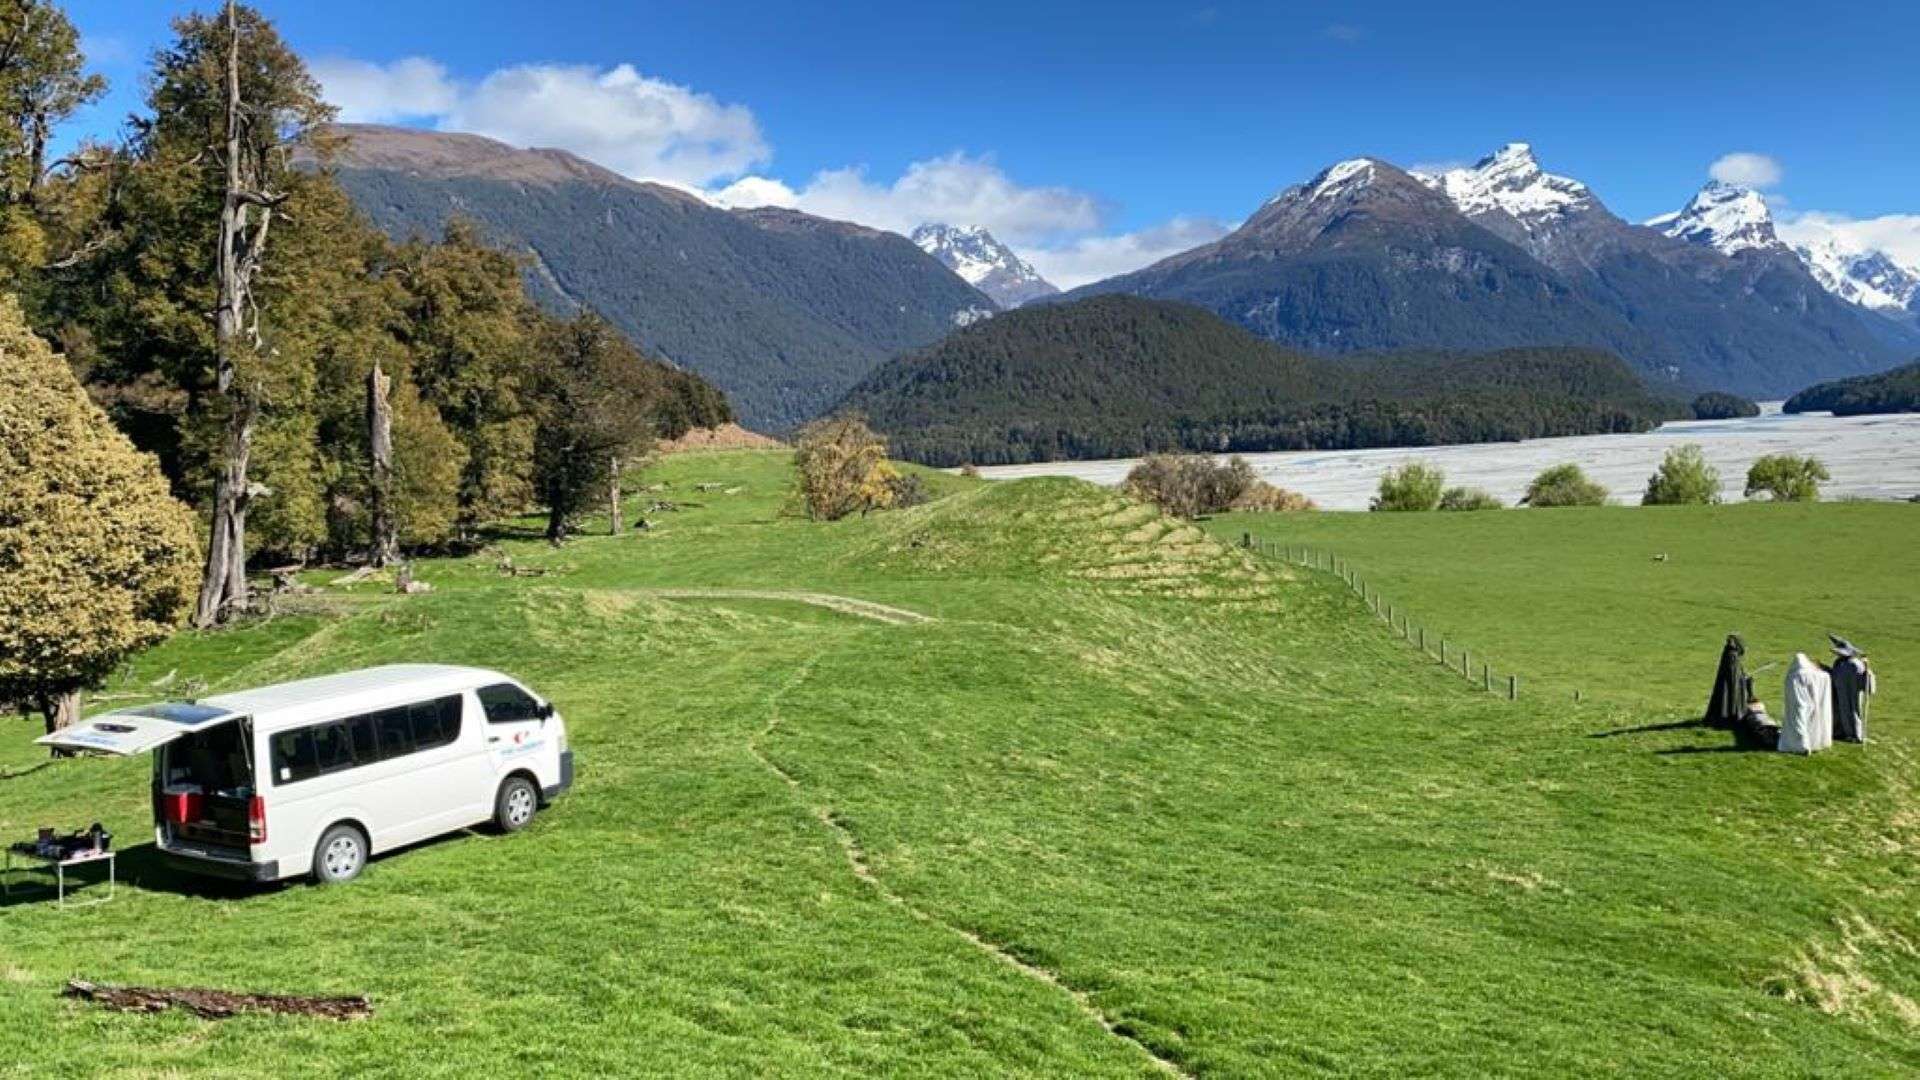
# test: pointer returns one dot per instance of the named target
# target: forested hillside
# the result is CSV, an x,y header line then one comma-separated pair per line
x,y
1116,376
782,310
1888,392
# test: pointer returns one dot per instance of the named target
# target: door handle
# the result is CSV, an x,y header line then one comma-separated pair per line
x,y
493,738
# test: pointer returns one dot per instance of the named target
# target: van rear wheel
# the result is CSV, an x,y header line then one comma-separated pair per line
x,y
514,806
340,855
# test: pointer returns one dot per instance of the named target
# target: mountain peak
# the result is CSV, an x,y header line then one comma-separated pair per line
x,y
1510,180
983,262
1726,217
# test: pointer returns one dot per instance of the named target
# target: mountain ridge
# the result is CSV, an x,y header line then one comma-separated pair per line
x,y
782,310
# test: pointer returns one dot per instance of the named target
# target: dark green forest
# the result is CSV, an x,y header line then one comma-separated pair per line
x,y
1120,376
1888,392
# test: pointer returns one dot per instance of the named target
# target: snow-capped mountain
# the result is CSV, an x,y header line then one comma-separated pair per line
x,y
1866,277
984,263
1733,219
1725,217
1509,181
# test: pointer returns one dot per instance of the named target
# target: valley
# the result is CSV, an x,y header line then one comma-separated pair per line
x,y
1871,457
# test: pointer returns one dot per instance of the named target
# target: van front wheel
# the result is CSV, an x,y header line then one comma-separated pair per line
x,y
340,855
514,807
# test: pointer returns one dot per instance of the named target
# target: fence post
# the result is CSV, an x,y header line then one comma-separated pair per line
x,y
1466,666
1513,688
1486,678
1423,639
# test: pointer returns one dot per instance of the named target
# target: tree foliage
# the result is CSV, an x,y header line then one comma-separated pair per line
x,y
1787,478
1119,376
1683,478
97,560
1564,485
842,468
1413,486
1715,405
1195,485
1892,391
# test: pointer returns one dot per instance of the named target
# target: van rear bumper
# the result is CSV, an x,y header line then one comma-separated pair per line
x,y
211,865
566,777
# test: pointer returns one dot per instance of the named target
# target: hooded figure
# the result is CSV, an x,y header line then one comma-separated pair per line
x,y
1852,685
1731,687
1807,726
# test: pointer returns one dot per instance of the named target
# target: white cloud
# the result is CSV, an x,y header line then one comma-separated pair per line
x,y
1746,169
1896,234
1092,258
650,129
632,123
366,93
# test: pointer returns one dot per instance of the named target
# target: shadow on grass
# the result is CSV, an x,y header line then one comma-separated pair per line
x,y
1643,729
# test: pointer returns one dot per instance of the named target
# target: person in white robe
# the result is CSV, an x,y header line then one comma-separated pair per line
x,y
1807,725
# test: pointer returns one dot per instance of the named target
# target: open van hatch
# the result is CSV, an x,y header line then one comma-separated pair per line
x,y
204,777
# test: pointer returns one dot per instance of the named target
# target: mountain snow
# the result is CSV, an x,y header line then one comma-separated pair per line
x,y
1733,219
1725,217
983,262
1863,276
1511,180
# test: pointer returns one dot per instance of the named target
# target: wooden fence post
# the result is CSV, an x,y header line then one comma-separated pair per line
x,y
1513,687
1486,678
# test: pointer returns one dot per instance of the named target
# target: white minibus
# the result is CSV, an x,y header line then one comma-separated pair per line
x,y
317,776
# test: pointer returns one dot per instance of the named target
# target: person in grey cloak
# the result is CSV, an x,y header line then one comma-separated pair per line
x,y
1853,683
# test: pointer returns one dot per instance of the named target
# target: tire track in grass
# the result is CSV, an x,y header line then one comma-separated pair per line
x,y
856,857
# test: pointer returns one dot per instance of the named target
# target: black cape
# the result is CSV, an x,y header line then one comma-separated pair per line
x,y
1731,687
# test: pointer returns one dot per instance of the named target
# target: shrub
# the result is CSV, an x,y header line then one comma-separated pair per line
x,y
1190,485
970,471
1684,478
1265,498
843,468
1413,486
906,489
1564,485
1460,498
1787,478
97,559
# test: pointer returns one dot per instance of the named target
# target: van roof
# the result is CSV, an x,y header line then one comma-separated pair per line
x,y
347,691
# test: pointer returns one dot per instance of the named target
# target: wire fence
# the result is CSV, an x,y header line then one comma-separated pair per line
x,y
1435,645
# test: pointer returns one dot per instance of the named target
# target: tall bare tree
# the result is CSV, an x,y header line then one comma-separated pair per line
x,y
385,547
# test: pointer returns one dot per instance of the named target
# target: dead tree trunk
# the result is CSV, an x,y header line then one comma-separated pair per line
x,y
613,494
386,544
60,710
223,589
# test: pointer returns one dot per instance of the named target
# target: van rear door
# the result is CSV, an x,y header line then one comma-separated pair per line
x,y
135,731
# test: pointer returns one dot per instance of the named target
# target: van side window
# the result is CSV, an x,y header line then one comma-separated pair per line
x,y
436,723
293,756
365,739
396,732
506,703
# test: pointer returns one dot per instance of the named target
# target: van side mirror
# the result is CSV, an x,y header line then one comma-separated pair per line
x,y
544,712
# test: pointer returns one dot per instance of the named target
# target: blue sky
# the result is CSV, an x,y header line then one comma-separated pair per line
x,y
1097,135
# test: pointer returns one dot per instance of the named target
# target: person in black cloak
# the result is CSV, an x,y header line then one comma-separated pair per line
x,y
1853,682
1731,687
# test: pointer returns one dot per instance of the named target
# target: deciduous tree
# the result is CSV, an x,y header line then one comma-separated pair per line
x,y
97,559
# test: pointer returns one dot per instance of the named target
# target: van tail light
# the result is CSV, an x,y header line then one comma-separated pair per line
x,y
257,820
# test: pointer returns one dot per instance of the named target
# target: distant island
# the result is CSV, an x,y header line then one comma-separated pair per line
x,y
1119,376
1715,405
1893,391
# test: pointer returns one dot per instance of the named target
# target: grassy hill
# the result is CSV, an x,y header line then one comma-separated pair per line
x,y
1120,376
1076,790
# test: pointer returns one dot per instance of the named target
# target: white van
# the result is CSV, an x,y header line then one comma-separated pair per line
x,y
315,776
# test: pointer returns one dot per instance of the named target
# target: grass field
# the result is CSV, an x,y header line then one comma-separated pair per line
x,y
1120,800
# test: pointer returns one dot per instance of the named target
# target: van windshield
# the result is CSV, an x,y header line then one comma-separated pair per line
x,y
217,761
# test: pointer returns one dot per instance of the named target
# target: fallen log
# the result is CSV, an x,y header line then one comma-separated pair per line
x,y
216,1004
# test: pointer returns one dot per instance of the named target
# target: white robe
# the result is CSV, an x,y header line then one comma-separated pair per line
x,y
1807,724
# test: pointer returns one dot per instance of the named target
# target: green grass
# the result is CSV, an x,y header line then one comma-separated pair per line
x,y
1198,795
